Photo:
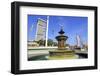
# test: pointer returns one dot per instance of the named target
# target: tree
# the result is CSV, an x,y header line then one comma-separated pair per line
x,y
41,43
55,43
50,42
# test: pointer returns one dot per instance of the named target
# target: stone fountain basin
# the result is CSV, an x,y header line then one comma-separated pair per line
x,y
61,53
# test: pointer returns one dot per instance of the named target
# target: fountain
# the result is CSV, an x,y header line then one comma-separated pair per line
x,y
62,52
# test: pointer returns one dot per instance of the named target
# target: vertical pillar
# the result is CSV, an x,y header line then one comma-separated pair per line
x,y
46,44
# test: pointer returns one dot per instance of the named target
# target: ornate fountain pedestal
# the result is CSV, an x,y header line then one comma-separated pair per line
x,y
62,52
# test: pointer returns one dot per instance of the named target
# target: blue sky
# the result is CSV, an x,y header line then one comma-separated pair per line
x,y
72,25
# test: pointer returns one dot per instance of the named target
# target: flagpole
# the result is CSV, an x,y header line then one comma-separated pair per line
x,y
47,31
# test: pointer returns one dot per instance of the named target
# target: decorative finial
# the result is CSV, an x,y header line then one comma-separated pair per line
x,y
61,31
62,27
